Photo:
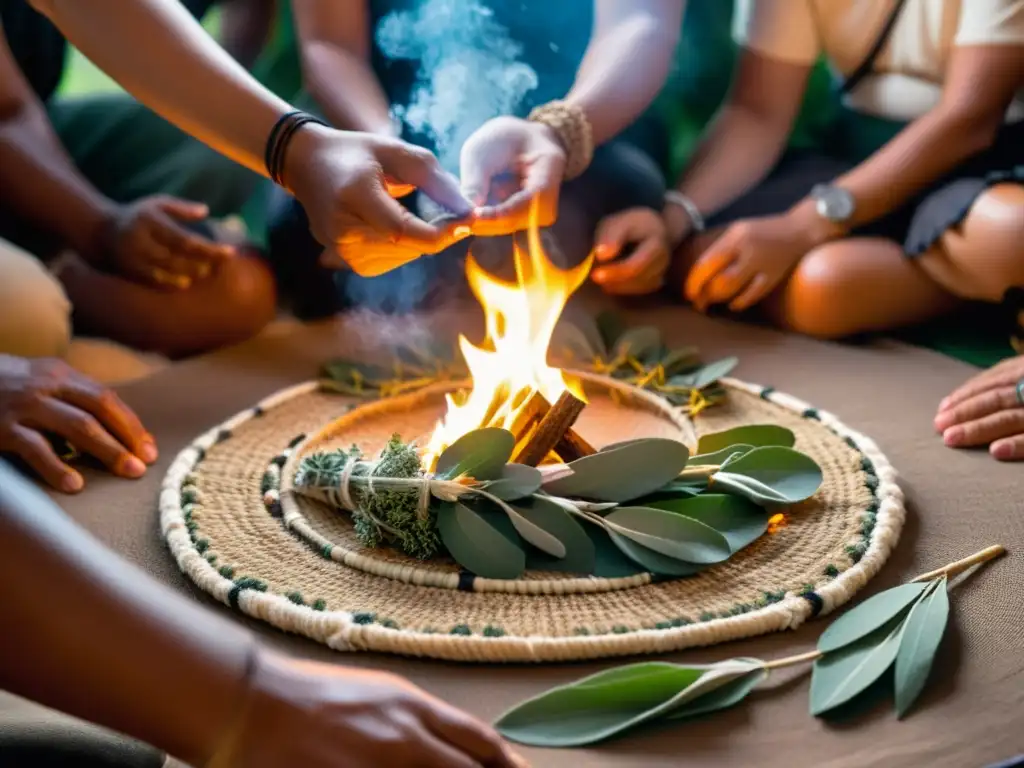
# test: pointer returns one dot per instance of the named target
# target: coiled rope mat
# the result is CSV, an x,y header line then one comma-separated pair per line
x,y
296,564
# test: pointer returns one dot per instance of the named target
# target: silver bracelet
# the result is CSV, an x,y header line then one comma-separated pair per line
x,y
675,197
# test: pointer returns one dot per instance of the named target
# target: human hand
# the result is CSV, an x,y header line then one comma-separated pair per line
x,y
643,270
987,410
504,165
347,182
146,242
326,716
748,262
47,396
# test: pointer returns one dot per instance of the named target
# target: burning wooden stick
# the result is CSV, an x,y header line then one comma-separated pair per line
x,y
572,447
551,429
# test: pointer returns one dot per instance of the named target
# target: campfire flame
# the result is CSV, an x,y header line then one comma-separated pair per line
x,y
511,363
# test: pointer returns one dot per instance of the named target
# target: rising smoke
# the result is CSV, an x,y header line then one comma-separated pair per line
x,y
468,72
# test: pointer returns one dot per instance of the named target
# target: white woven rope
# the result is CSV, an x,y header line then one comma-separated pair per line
x,y
338,630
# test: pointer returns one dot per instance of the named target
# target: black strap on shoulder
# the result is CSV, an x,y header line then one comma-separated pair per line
x,y
862,71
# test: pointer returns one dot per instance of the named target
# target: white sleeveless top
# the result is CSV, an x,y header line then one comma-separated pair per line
x,y
909,72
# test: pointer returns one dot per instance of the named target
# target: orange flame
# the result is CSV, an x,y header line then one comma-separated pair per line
x,y
520,318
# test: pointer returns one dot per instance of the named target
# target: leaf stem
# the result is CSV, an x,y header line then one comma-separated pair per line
x,y
954,569
698,472
791,661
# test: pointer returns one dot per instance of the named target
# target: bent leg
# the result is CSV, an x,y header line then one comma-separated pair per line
x,y
232,305
35,314
855,286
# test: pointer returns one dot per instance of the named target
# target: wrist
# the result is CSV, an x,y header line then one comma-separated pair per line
x,y
95,237
818,229
678,224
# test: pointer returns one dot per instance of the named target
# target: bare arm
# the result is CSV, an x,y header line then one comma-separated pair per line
x,y
161,55
626,62
335,41
747,136
87,634
38,181
980,83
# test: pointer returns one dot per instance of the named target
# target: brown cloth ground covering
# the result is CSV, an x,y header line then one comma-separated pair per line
x,y
958,502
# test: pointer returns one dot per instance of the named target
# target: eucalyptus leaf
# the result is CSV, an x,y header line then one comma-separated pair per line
x,y
719,457
754,435
748,488
653,561
534,534
606,704
610,562
739,520
348,372
670,534
725,697
679,361
867,617
841,675
792,476
480,454
517,481
577,343
642,343
922,634
579,549
709,374
476,545
627,472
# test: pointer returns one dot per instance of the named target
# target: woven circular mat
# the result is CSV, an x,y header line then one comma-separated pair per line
x,y
296,564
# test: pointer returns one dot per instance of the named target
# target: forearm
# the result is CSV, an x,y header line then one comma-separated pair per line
x,y
88,634
161,55
623,71
41,185
736,153
346,88
923,152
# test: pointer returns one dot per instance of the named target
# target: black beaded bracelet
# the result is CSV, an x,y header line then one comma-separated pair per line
x,y
280,136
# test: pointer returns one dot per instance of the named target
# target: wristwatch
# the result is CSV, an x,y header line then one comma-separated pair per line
x,y
833,203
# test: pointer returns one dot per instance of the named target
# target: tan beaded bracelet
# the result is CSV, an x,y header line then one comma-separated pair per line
x,y
571,125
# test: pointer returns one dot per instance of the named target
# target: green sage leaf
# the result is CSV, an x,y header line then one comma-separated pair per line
x,y
681,360
517,481
925,626
476,545
709,374
628,472
754,435
725,697
579,549
841,675
610,326
643,344
610,562
789,475
651,560
670,534
480,454
606,704
867,617
738,520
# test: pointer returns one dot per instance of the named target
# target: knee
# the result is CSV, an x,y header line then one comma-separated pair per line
x,y
35,314
817,301
989,247
245,298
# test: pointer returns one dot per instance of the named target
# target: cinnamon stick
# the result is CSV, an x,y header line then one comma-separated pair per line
x,y
572,447
531,412
551,429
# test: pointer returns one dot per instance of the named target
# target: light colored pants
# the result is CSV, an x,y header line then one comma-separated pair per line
x,y
35,315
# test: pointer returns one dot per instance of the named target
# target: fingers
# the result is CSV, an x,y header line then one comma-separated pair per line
x,y
643,270
435,753
613,232
477,174
186,210
87,435
37,452
986,429
166,231
716,259
1008,448
759,287
542,182
415,167
979,406
112,413
481,742
1006,374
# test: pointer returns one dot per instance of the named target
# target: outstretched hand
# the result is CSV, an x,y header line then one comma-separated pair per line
x,y
987,411
348,183
506,164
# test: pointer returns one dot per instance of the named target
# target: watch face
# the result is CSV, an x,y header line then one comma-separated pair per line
x,y
834,203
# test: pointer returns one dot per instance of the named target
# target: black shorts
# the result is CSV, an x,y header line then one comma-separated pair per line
x,y
918,223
